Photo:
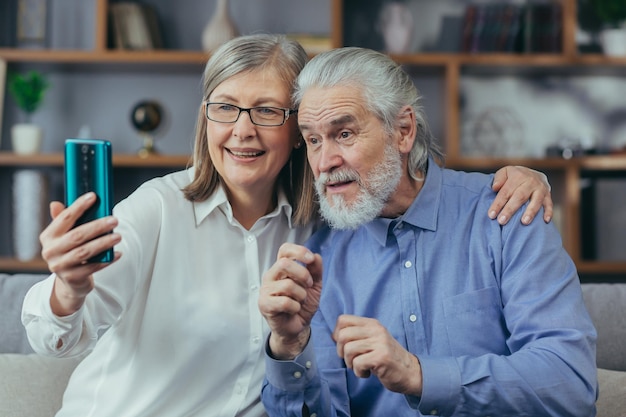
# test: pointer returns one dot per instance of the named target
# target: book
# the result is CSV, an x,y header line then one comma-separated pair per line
x,y
134,26
491,27
3,80
469,28
542,28
312,44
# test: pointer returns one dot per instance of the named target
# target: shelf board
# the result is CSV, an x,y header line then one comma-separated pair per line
x,y
600,163
14,266
479,163
170,56
615,162
108,56
119,160
509,59
602,267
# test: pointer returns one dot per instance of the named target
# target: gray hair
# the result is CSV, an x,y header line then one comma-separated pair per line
x,y
385,86
254,52
281,56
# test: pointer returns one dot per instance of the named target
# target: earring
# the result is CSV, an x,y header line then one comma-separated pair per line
x,y
297,145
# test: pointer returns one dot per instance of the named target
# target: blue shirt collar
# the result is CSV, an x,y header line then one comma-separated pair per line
x,y
422,213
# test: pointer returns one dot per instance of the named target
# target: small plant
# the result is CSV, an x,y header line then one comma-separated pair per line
x,y
611,12
27,90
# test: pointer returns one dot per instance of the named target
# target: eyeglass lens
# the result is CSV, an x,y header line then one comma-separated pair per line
x,y
229,113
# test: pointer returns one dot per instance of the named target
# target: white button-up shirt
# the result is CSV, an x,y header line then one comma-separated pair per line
x,y
185,335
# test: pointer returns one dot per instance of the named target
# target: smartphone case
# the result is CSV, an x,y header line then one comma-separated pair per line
x,y
88,167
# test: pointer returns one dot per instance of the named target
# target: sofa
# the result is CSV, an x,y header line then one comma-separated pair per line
x,y
32,385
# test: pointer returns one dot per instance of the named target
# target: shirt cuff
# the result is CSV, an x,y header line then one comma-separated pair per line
x,y
37,308
293,375
441,387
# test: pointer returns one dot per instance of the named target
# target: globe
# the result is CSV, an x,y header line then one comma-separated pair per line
x,y
146,117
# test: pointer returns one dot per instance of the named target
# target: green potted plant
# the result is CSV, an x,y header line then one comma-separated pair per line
x,y
612,16
27,90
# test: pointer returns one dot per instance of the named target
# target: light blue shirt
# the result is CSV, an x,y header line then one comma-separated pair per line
x,y
494,314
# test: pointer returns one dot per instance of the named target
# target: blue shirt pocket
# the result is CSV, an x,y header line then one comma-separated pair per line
x,y
475,323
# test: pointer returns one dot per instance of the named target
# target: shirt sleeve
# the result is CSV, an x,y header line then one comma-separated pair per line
x,y
295,388
45,330
114,286
551,366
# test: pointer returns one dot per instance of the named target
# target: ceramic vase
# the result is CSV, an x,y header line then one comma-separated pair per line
x,y
26,138
395,24
613,42
220,28
29,212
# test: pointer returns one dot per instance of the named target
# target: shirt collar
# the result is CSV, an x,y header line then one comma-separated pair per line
x,y
422,212
219,200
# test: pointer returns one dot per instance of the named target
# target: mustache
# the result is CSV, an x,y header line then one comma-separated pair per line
x,y
344,175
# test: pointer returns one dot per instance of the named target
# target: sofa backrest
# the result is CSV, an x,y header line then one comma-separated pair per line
x,y
606,304
13,288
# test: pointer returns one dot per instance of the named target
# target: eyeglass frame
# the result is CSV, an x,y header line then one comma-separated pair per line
x,y
286,113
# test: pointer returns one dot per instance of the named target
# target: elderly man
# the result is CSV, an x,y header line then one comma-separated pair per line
x,y
426,306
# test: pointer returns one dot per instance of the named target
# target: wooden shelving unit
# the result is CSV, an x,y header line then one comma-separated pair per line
x,y
9,159
565,175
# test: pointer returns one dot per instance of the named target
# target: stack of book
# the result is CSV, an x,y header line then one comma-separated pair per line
x,y
498,27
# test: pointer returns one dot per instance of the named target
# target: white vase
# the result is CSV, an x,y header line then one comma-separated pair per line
x,y
613,42
26,138
220,28
395,24
29,212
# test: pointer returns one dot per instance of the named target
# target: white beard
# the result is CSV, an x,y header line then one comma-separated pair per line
x,y
372,197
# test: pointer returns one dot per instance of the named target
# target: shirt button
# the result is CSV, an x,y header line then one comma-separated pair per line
x,y
408,264
250,239
308,364
413,318
254,287
256,339
434,412
297,374
313,415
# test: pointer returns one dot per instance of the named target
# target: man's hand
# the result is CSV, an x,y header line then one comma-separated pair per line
x,y
516,185
368,349
289,297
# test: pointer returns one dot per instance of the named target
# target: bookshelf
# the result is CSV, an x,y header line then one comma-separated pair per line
x,y
95,73
447,70
567,176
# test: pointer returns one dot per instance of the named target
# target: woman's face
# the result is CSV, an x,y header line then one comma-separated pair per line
x,y
249,157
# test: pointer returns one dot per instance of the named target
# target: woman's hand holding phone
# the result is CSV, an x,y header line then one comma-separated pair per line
x,y
79,241
68,249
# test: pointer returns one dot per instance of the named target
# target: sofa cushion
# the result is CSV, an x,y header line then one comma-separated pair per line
x,y
606,304
612,396
33,385
13,289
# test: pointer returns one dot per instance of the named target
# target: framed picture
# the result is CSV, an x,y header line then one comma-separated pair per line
x,y
134,26
31,23
405,26
390,26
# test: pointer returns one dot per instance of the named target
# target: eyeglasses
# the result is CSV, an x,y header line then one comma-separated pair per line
x,y
260,116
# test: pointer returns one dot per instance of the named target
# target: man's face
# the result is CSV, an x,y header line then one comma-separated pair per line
x,y
355,162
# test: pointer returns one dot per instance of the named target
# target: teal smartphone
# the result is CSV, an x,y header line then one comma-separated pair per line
x,y
88,167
